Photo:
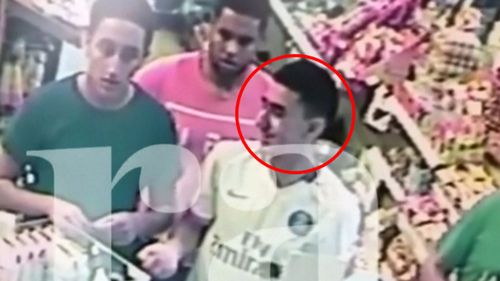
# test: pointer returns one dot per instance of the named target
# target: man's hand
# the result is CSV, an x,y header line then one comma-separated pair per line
x,y
430,270
121,228
161,260
66,216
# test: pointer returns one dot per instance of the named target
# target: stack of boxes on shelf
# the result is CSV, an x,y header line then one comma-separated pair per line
x,y
73,12
38,251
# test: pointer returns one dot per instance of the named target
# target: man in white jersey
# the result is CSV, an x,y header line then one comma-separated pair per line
x,y
266,225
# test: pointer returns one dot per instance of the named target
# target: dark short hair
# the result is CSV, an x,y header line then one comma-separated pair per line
x,y
138,12
258,9
314,86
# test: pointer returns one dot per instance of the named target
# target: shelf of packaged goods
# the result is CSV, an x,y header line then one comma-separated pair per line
x,y
295,32
24,10
381,168
386,218
413,131
413,238
293,29
423,145
367,73
420,141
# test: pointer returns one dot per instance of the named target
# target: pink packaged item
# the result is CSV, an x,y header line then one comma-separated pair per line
x,y
423,209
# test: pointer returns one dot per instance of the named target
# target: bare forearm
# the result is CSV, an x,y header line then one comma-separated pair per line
x,y
152,223
187,234
22,201
431,270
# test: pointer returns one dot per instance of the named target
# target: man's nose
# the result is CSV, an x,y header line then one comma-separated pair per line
x,y
232,47
114,63
263,122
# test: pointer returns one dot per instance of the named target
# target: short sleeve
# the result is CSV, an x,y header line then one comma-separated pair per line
x,y
456,245
24,133
151,77
169,133
204,206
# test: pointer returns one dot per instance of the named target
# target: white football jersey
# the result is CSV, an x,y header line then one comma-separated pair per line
x,y
262,232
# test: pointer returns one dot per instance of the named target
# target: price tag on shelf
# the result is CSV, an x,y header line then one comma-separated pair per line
x,y
7,223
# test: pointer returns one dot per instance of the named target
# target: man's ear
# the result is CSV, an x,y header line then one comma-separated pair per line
x,y
317,126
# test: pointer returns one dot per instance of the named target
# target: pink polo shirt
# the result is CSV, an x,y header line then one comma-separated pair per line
x,y
203,117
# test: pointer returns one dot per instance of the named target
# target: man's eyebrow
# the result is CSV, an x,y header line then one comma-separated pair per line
x,y
245,38
274,106
226,32
278,107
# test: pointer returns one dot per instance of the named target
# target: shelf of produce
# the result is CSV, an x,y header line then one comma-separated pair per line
x,y
300,39
358,71
413,238
411,128
423,145
293,30
24,10
432,157
381,168
420,141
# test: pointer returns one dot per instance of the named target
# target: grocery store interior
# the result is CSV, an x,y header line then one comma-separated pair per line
x,y
423,74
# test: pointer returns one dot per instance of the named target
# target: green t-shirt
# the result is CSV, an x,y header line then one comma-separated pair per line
x,y
472,247
57,117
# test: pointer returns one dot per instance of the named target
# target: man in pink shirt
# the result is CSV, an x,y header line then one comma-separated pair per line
x,y
201,88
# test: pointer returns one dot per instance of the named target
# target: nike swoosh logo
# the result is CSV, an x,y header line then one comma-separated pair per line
x,y
232,193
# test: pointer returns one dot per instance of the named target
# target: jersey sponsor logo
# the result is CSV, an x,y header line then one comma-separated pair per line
x,y
250,255
300,223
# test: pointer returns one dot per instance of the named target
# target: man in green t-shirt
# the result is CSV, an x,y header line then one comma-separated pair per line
x,y
94,117
471,249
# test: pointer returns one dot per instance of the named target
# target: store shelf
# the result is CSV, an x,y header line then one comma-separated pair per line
x,y
420,141
382,170
293,29
411,128
62,30
413,238
423,145
300,39
387,218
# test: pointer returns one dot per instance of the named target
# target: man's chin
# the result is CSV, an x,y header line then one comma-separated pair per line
x,y
265,143
109,96
268,142
229,70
